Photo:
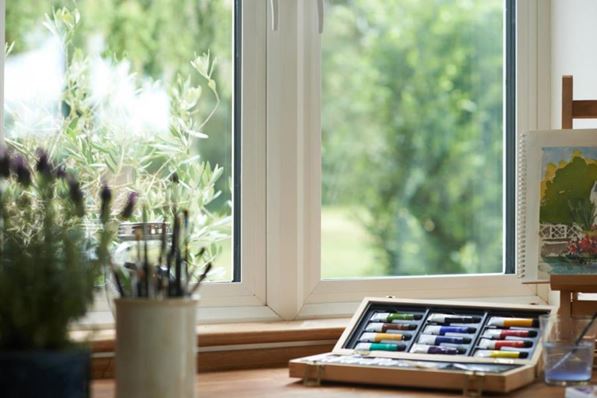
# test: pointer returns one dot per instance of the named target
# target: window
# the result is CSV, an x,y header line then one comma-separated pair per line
x,y
135,91
413,110
105,83
374,158
345,118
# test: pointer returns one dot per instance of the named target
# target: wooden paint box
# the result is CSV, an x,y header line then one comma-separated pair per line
x,y
451,345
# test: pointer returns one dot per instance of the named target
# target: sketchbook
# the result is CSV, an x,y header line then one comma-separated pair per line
x,y
556,203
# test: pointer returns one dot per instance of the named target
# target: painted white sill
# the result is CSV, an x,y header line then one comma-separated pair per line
x,y
101,319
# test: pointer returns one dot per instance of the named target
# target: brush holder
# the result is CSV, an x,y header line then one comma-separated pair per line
x,y
156,348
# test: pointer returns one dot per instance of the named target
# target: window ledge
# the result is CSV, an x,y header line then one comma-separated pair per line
x,y
252,344
234,346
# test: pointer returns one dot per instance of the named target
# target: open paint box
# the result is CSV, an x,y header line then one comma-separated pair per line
x,y
433,344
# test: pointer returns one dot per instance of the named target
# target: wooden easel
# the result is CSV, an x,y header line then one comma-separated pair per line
x,y
571,285
575,109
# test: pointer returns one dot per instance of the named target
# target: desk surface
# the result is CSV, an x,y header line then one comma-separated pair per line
x,y
276,383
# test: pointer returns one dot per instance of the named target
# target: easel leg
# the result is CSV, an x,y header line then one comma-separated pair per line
x,y
565,303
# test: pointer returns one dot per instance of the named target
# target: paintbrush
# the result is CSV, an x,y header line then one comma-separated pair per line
x,y
201,278
185,213
146,266
192,276
168,273
178,272
161,270
174,256
138,269
117,280
579,339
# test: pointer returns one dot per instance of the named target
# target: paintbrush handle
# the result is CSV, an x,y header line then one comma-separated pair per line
x,y
117,280
201,278
577,342
196,287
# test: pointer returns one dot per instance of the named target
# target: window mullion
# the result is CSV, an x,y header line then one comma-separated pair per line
x,y
282,204
292,157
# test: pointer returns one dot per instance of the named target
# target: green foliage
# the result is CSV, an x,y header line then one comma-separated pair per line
x,y
567,195
413,129
101,154
157,38
46,274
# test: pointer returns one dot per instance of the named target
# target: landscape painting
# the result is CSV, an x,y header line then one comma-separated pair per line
x,y
568,204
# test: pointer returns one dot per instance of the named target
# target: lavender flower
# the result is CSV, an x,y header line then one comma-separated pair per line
x,y
21,170
43,165
129,207
106,197
4,163
76,195
60,171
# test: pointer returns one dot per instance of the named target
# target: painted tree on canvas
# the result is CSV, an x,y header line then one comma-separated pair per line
x,y
567,197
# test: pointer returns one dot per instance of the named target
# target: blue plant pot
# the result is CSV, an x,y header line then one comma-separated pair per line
x,y
45,374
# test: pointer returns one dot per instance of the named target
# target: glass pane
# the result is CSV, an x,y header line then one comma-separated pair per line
x,y
120,90
412,137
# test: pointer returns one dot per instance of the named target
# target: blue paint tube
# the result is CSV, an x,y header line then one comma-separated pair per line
x,y
437,340
441,330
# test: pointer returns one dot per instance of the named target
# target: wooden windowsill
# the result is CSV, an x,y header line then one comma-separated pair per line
x,y
276,383
234,346
236,333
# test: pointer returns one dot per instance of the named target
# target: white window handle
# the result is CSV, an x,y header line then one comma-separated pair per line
x,y
320,15
275,14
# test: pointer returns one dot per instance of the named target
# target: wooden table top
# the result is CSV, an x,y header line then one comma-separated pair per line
x,y
276,383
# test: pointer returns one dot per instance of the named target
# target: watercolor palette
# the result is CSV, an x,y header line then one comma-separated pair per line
x,y
389,338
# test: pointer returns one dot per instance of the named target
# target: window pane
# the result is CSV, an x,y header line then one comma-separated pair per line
x,y
117,87
412,133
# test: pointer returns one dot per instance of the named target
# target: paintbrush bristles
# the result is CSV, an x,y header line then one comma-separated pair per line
x,y
171,276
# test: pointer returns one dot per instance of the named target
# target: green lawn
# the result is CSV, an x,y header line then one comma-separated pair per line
x,y
345,245
345,248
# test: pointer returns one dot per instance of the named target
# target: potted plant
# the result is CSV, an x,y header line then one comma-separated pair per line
x,y
46,280
155,314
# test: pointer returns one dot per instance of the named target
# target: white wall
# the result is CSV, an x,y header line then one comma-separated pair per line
x,y
573,52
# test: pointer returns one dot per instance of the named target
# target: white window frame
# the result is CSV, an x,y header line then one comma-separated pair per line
x,y
244,300
294,285
281,167
223,299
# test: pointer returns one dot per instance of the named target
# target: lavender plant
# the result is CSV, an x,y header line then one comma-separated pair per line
x,y
47,270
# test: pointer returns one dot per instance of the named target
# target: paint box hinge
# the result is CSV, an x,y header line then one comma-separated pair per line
x,y
313,374
473,386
